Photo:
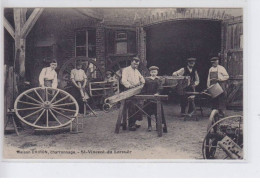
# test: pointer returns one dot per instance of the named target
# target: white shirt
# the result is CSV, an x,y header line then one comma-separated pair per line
x,y
78,75
180,72
48,74
222,74
131,77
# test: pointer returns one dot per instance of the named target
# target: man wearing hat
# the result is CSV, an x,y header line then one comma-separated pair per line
x,y
218,74
152,86
190,71
131,78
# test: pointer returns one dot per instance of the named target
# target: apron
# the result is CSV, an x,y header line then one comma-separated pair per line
x,y
214,75
220,101
47,83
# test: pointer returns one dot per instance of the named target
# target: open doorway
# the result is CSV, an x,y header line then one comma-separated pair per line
x,y
170,44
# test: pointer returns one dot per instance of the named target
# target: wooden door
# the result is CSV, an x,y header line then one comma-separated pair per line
x,y
232,57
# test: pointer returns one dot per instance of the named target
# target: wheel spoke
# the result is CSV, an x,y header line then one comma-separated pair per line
x,y
30,108
33,99
72,103
62,114
28,103
46,94
47,118
55,117
38,95
32,114
60,100
55,96
63,109
39,117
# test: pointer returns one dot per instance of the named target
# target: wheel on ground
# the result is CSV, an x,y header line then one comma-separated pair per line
x,y
46,108
231,127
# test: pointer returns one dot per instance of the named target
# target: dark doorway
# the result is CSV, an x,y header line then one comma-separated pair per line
x,y
170,44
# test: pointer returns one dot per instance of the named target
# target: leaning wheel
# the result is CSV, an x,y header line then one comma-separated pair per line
x,y
219,130
46,108
90,66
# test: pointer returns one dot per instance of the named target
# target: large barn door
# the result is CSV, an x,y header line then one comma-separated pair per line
x,y
232,55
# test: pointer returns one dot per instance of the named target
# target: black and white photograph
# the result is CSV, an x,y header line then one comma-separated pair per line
x,y
123,83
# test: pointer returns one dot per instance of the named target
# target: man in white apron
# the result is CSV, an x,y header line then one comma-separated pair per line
x,y
218,74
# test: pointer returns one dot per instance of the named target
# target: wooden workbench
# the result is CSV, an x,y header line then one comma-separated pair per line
x,y
123,112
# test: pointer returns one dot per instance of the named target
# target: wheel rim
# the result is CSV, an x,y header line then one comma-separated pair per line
x,y
46,108
210,147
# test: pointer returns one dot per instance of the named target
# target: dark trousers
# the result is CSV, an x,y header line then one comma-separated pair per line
x,y
155,115
219,102
134,113
184,101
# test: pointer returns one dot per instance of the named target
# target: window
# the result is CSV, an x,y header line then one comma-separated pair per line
x,y
121,42
85,43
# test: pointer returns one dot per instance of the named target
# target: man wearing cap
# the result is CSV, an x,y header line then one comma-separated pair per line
x,y
218,74
190,71
131,78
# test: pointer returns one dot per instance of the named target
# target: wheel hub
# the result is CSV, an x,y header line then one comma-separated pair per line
x,y
47,105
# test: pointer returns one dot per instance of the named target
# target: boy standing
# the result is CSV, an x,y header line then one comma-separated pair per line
x,y
152,86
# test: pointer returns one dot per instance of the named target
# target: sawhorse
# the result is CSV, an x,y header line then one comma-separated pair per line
x,y
122,114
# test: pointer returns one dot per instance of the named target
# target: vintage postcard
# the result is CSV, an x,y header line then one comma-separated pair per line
x,y
123,83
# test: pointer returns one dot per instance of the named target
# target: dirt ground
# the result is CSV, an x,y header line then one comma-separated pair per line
x,y
98,140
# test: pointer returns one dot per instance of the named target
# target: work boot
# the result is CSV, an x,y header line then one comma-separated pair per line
x,y
137,126
132,128
149,129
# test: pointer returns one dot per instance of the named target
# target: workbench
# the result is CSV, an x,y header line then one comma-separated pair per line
x,y
123,111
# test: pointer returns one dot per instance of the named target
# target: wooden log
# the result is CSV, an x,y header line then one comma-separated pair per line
x,y
162,97
124,95
120,116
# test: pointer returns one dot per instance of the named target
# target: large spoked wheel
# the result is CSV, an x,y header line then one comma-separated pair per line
x,y
90,66
46,108
231,126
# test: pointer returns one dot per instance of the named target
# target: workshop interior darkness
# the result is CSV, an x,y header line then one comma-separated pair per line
x,y
170,44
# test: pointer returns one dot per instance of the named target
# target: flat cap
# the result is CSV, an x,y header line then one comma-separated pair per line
x,y
136,59
214,59
191,59
153,68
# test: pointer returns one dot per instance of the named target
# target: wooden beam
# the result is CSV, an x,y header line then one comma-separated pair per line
x,y
19,20
90,13
8,27
27,27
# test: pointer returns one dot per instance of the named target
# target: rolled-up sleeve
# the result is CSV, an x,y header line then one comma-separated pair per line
x,y
197,79
72,75
41,77
180,72
223,74
55,81
141,78
124,78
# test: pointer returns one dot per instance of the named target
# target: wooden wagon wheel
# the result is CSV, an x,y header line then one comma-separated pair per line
x,y
46,108
217,130
90,66
117,67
